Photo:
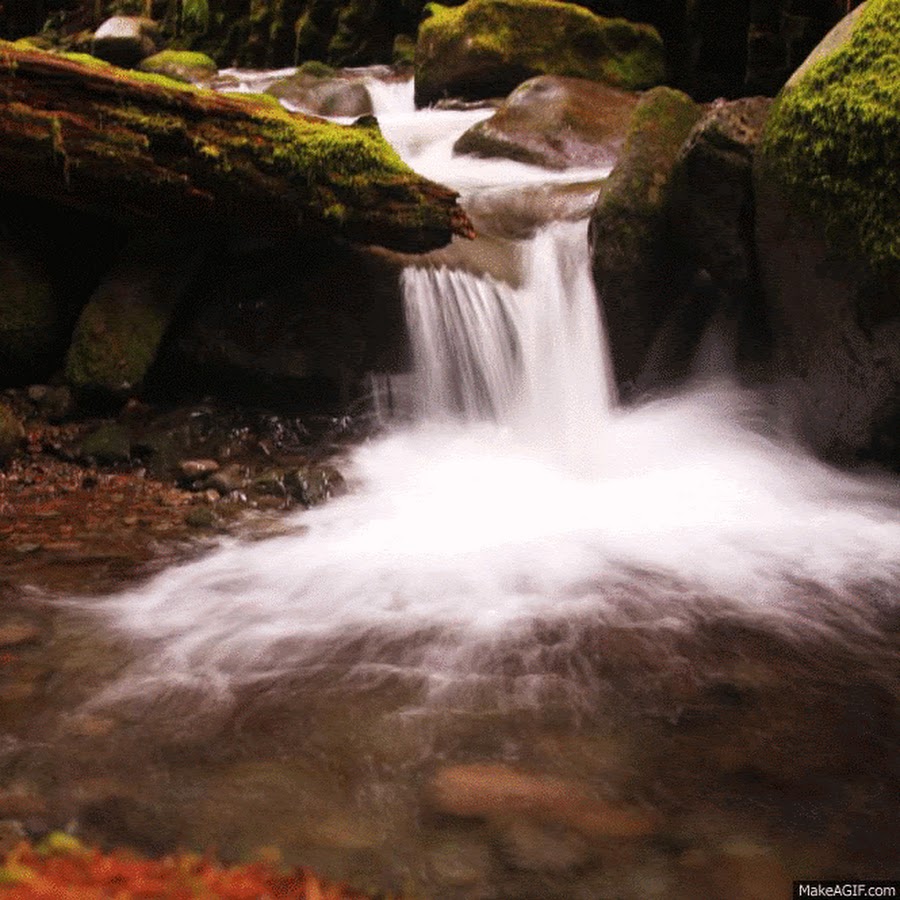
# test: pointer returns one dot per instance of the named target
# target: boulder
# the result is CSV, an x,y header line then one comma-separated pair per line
x,y
487,47
31,319
323,94
555,122
637,270
711,215
119,331
182,65
126,40
827,182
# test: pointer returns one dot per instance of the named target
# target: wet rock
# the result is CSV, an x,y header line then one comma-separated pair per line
x,y
487,47
493,790
19,803
459,861
12,434
125,40
54,403
201,517
319,95
637,269
227,479
192,469
312,485
554,122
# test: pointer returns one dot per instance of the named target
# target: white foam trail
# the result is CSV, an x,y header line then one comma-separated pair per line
x,y
391,96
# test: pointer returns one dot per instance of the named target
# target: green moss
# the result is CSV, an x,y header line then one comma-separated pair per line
x,y
114,344
317,69
180,65
535,37
832,138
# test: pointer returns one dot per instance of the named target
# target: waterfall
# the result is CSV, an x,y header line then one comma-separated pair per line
x,y
521,494
530,357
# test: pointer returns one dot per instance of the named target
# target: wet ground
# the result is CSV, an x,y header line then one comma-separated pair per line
x,y
720,763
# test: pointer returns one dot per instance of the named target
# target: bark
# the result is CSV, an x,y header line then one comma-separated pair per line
x,y
138,147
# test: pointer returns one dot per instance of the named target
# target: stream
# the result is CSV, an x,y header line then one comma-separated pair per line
x,y
548,646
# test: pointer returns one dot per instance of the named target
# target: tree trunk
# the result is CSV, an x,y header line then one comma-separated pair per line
x,y
137,147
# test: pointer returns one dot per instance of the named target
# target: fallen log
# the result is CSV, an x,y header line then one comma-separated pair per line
x,y
142,147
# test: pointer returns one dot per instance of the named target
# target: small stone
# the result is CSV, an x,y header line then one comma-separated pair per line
x,y
26,548
227,480
538,847
201,517
130,520
192,469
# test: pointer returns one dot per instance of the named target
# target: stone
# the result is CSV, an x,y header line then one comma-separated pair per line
x,y
125,40
17,631
312,485
637,270
227,479
201,517
335,95
555,122
192,469
486,47
120,330
181,65
828,241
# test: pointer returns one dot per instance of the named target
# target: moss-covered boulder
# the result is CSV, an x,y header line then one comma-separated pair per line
x,y
182,65
119,331
31,319
327,94
636,268
828,237
555,122
485,48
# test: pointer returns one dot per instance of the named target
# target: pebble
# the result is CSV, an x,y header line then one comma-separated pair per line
x,y
197,468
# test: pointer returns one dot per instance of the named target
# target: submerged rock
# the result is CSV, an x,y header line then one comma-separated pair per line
x,y
828,238
555,122
487,47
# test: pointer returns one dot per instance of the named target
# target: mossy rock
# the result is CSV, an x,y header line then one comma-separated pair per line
x,y
635,267
12,434
827,185
555,122
31,318
832,138
486,47
119,331
182,65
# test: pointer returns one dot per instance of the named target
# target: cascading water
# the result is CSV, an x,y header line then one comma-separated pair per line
x,y
520,495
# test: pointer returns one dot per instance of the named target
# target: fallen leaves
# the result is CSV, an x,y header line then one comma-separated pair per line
x,y
61,868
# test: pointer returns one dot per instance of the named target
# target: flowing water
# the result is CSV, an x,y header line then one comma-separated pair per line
x,y
666,611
